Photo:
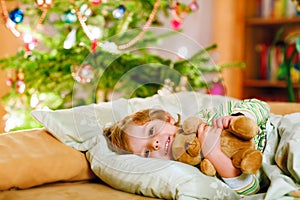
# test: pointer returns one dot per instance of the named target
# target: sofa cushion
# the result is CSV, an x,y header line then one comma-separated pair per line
x,y
34,157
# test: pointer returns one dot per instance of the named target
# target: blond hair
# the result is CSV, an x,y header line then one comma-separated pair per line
x,y
117,136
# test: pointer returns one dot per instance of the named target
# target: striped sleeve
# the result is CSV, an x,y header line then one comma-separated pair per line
x,y
222,110
245,184
253,108
258,110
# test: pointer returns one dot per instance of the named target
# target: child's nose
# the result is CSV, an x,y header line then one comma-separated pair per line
x,y
155,145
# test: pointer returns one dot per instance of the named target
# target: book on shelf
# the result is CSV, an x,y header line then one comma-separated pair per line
x,y
276,8
272,62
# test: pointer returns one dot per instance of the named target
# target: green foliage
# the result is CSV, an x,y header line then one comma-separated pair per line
x,y
284,71
48,70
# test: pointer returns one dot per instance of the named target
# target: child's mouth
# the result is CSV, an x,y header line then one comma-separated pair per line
x,y
167,145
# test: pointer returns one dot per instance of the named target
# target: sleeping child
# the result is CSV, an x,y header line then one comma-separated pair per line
x,y
150,133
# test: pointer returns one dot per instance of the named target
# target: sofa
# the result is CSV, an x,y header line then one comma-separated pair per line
x,y
54,163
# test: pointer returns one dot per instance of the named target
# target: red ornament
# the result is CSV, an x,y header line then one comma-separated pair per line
x,y
31,45
10,77
9,81
94,45
96,2
176,24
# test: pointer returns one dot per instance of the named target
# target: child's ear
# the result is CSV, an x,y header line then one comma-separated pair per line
x,y
170,119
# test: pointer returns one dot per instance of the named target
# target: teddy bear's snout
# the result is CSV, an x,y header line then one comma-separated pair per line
x,y
192,148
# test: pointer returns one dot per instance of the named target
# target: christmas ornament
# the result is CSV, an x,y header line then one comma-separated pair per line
x,y
180,12
9,81
194,6
183,84
167,88
83,74
85,11
94,45
34,100
176,24
217,89
20,85
8,22
30,41
96,2
16,15
44,4
96,33
69,17
70,40
118,13
10,78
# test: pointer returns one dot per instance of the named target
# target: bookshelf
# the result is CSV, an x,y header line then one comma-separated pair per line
x,y
261,81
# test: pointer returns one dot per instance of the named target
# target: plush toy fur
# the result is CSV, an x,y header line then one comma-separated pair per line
x,y
236,142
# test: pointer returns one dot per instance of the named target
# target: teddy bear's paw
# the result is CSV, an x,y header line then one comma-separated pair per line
x,y
207,168
251,162
295,193
243,127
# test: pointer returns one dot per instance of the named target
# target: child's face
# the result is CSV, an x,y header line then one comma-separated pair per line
x,y
153,139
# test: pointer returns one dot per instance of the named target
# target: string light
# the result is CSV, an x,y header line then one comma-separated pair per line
x,y
145,28
82,22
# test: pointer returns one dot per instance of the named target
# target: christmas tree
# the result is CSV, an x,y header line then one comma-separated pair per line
x,y
84,51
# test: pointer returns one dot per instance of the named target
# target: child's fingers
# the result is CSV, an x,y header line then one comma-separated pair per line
x,y
222,122
218,123
226,121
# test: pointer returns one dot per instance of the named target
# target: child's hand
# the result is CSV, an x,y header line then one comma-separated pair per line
x,y
222,122
209,137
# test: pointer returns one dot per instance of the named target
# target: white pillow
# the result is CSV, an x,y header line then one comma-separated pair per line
x,y
81,128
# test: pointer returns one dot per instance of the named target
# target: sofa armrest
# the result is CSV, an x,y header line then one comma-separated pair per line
x,y
284,107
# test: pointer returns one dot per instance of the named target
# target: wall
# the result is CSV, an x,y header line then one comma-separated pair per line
x,y
220,22
9,46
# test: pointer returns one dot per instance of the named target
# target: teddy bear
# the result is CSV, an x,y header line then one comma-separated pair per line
x,y
236,142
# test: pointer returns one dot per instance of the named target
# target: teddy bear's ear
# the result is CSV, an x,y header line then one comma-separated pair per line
x,y
190,125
